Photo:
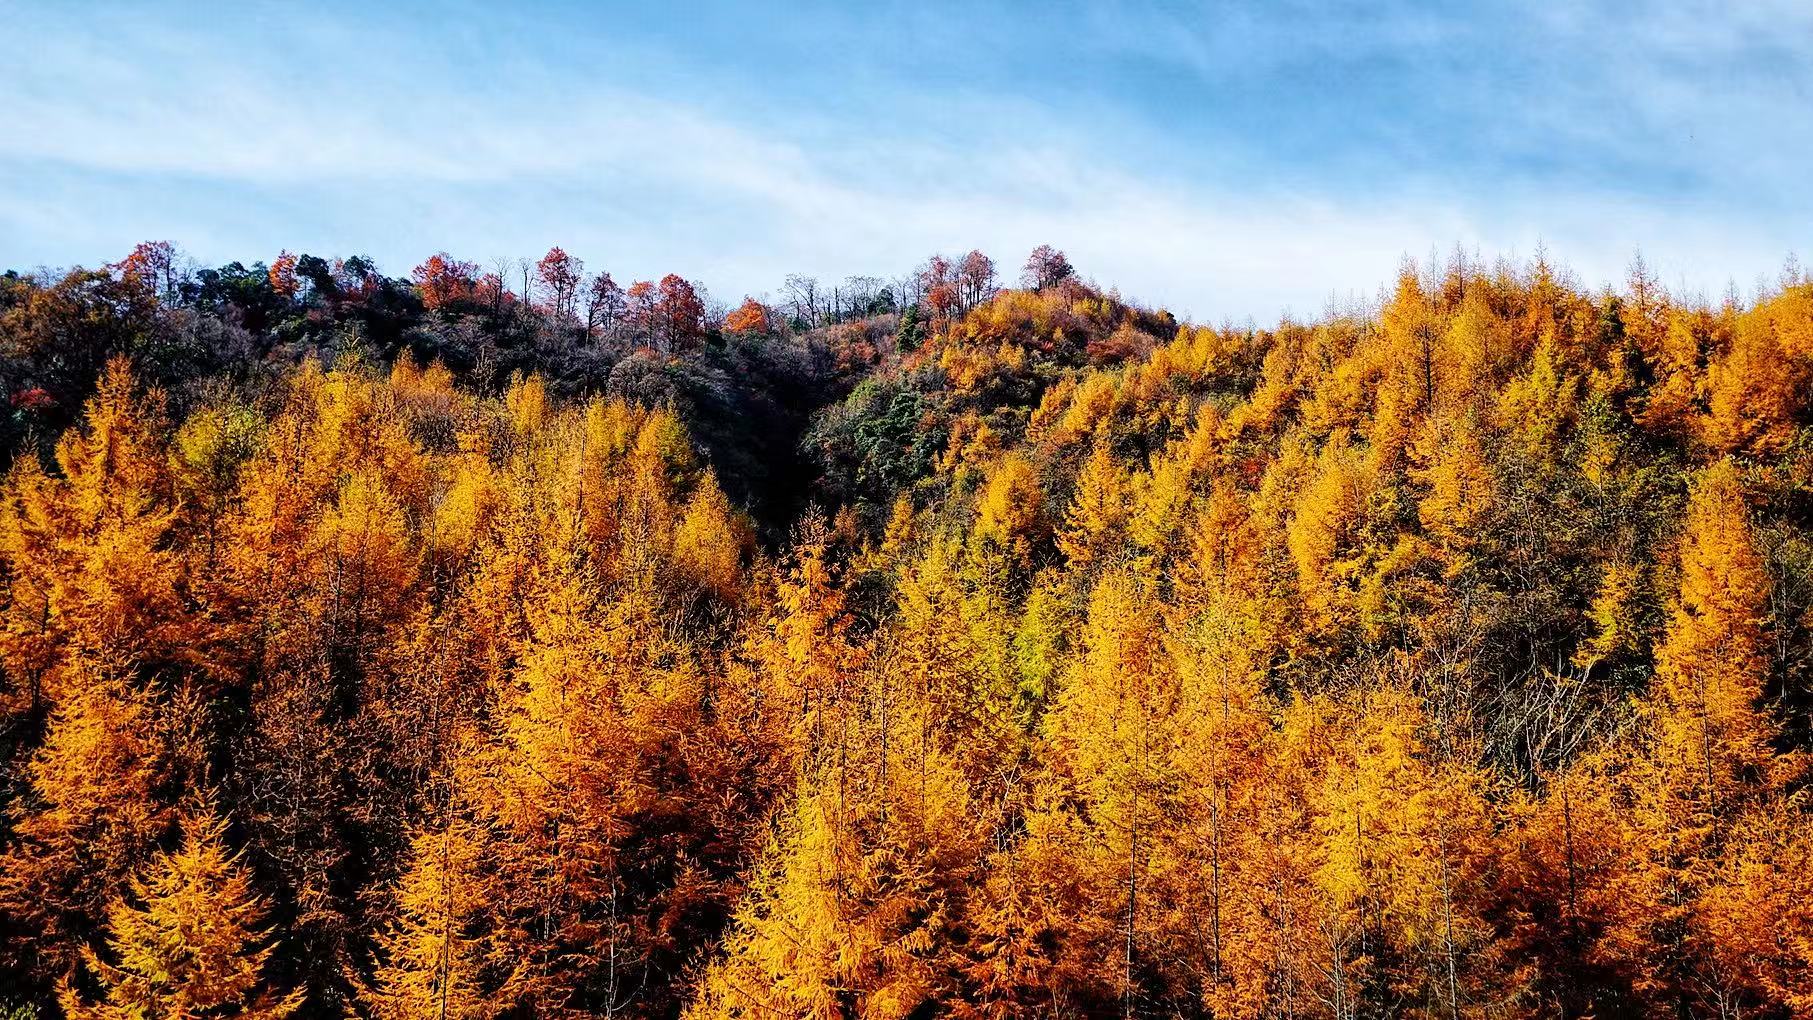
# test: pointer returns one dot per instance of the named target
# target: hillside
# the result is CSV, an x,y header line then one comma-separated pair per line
x,y
410,647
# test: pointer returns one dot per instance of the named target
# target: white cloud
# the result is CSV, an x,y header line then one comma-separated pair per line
x,y
345,138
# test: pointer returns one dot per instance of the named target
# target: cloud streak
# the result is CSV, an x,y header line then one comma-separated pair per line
x,y
379,135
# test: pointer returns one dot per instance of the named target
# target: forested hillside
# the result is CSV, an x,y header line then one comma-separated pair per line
x,y
497,642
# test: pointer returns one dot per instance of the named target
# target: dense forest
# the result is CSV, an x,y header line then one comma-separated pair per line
x,y
498,642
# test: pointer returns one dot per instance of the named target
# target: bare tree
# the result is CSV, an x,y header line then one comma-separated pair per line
x,y
860,292
802,298
975,280
1045,267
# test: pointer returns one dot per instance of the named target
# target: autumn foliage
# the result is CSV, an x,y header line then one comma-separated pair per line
x,y
1446,657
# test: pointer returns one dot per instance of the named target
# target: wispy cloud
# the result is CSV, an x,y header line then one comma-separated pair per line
x,y
1196,170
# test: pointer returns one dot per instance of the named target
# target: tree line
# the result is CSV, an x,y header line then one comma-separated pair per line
x,y
387,648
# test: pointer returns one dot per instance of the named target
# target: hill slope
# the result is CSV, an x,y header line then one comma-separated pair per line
x,y
973,653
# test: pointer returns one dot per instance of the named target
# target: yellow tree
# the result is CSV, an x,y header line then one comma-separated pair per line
x,y
1755,390
207,454
1274,944
807,653
1562,889
1671,343
564,779
850,914
319,558
1705,760
89,556
1163,502
788,952
1323,533
434,953
1010,513
1451,463
1754,920
270,554
187,943
709,541
321,566
1404,846
1108,733
368,565
964,696
858,905
1536,409
1711,740
1223,729
96,809
1098,512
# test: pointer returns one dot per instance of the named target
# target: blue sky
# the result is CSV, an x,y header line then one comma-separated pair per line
x,y
1225,160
